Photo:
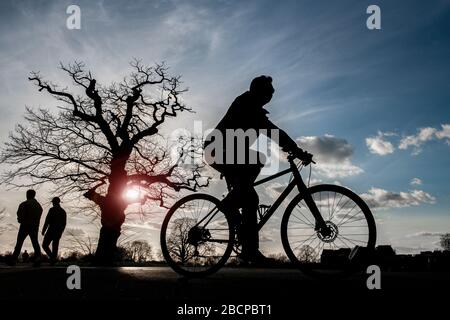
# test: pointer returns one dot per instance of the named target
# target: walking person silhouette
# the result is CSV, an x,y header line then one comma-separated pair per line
x,y
25,256
247,113
53,228
29,217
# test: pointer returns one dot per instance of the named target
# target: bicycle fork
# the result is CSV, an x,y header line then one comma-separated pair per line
x,y
321,225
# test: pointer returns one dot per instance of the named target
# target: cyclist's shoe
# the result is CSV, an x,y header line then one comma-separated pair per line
x,y
242,261
257,259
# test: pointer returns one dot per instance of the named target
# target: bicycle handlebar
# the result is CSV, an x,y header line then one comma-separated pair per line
x,y
304,156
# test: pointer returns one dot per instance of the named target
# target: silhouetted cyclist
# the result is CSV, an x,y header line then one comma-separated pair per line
x,y
54,226
247,112
29,217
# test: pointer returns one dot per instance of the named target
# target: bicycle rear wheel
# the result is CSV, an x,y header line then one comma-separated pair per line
x,y
344,247
196,237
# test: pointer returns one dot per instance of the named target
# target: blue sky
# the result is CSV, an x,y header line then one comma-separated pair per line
x,y
375,100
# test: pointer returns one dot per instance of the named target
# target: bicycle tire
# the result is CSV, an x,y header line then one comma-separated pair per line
x,y
164,248
307,267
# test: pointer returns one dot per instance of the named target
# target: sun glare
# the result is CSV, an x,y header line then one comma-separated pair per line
x,y
132,194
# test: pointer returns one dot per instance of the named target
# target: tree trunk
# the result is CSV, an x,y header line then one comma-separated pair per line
x,y
112,208
107,246
113,217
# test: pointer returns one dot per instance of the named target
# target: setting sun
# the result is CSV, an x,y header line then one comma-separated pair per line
x,y
132,194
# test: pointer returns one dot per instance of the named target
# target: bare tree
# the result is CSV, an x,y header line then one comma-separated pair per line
x,y
307,254
141,251
2,216
81,243
159,255
445,241
104,140
178,242
279,257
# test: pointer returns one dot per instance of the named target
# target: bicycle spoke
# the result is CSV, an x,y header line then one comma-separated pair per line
x,y
302,220
362,226
337,205
351,240
348,199
303,228
332,206
345,244
301,212
350,218
320,203
302,241
356,220
329,214
302,235
348,212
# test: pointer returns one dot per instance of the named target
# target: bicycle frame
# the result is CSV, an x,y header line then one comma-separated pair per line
x,y
302,188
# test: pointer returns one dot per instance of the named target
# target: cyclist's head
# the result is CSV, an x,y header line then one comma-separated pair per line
x,y
262,88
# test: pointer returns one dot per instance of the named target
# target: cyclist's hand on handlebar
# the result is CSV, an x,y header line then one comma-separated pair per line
x,y
304,156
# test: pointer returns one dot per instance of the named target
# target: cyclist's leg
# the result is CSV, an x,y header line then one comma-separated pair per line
x,y
248,200
249,232
232,201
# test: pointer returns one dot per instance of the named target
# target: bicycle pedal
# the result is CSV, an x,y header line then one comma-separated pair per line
x,y
262,210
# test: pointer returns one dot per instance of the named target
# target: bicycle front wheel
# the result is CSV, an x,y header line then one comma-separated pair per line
x,y
196,237
350,234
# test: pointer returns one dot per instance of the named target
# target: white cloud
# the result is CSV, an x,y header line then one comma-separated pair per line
x,y
444,133
378,198
416,141
425,234
147,226
378,145
338,170
424,135
415,182
333,155
381,146
274,189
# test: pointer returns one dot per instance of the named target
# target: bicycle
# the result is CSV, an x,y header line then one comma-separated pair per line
x,y
320,230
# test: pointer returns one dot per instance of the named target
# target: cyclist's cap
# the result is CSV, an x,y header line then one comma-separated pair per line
x,y
261,83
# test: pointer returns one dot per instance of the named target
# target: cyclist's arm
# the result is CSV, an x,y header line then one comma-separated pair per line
x,y
286,143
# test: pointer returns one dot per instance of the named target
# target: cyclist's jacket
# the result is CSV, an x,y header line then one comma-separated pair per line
x,y
245,113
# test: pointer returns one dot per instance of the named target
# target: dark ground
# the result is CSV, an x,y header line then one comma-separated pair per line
x,y
160,287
